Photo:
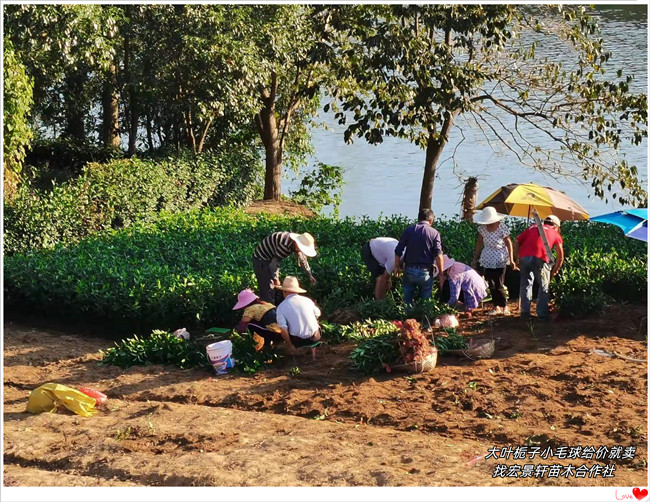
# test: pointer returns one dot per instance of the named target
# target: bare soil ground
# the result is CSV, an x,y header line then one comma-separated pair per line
x,y
281,208
330,426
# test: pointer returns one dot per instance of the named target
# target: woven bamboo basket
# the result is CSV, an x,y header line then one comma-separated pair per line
x,y
480,348
422,366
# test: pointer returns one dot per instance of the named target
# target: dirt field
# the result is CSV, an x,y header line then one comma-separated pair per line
x,y
329,426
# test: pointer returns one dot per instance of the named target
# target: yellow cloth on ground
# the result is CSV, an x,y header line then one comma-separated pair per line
x,y
47,397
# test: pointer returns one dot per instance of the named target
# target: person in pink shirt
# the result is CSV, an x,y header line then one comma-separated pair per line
x,y
535,264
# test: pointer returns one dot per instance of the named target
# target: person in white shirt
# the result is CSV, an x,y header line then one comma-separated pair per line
x,y
379,256
297,316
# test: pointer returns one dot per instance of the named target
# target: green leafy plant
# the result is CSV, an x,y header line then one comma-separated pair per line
x,y
160,347
453,341
321,187
247,359
185,269
369,355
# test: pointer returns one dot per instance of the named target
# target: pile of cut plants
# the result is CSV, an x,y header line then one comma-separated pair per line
x,y
163,347
398,343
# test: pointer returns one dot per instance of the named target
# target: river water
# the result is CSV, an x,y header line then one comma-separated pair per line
x,y
386,178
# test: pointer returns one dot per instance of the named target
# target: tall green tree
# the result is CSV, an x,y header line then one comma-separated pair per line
x,y
287,74
413,71
67,50
17,103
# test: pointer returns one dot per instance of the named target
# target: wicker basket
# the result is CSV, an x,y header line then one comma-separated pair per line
x,y
423,366
480,348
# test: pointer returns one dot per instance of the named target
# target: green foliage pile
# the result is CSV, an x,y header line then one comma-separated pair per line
x,y
185,269
453,341
247,359
379,343
371,354
160,347
124,191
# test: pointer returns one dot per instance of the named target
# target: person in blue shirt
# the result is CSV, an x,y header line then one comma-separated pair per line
x,y
423,249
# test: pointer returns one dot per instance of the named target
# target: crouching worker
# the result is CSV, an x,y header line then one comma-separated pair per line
x,y
297,316
259,319
460,280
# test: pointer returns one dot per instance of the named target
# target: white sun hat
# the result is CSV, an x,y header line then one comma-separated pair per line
x,y
305,242
488,215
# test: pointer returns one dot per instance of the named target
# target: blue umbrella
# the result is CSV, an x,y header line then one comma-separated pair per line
x,y
633,222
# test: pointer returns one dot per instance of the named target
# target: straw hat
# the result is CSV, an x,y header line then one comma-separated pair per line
x,y
488,215
551,219
305,242
245,298
446,264
291,285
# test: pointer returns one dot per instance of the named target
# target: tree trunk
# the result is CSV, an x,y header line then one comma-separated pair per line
x,y
134,106
273,175
74,106
468,206
268,129
149,131
435,146
110,104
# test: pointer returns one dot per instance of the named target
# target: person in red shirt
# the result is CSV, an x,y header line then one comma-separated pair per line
x,y
535,264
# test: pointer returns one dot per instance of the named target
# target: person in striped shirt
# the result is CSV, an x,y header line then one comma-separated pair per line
x,y
274,248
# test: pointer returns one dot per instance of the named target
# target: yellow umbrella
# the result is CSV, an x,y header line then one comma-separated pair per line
x,y
518,200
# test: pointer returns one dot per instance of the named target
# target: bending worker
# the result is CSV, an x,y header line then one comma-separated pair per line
x,y
269,253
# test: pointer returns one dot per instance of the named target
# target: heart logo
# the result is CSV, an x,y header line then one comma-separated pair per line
x,y
640,494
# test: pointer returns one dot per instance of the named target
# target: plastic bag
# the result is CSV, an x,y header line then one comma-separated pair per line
x,y
47,398
100,397
182,333
446,321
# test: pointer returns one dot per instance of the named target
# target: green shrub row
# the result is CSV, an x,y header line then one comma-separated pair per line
x,y
188,268
124,191
589,280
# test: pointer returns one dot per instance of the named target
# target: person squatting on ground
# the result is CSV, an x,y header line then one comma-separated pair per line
x,y
274,248
461,279
259,318
297,316
535,264
496,253
379,256
423,248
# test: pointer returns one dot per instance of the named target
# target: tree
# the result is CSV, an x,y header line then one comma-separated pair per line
x,y
287,74
66,49
17,103
412,71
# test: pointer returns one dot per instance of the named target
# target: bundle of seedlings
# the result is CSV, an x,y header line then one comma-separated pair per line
x,y
418,354
161,347
452,341
373,353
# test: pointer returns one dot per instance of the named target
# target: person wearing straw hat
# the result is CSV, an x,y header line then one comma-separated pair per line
x,y
535,263
297,316
494,253
461,279
259,318
274,248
